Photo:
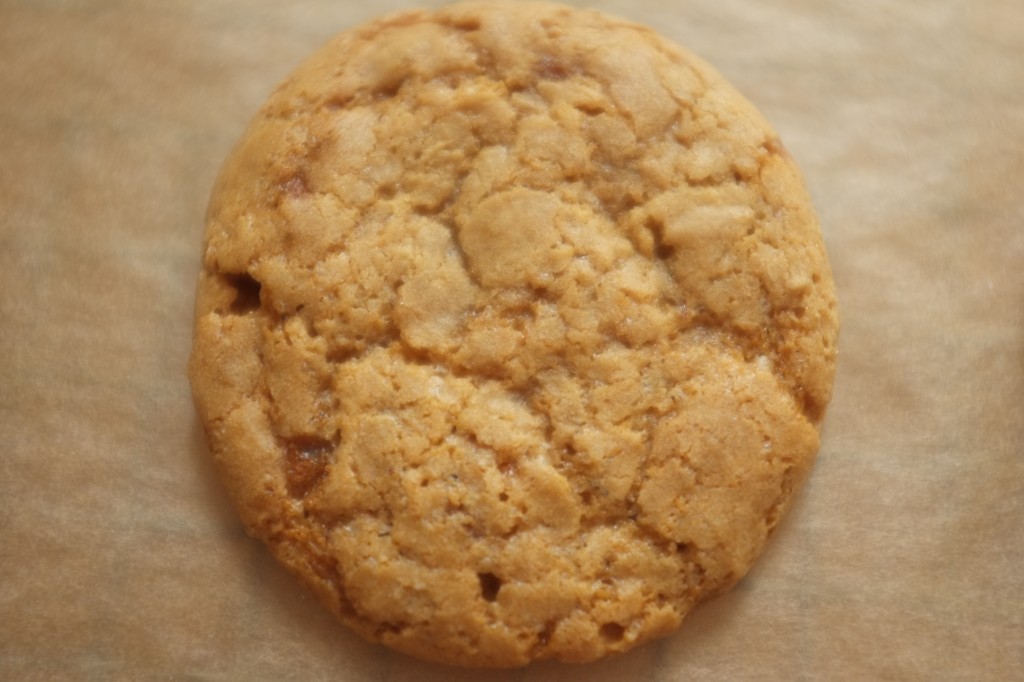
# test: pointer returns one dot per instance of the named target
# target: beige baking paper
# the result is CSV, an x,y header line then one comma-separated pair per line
x,y
120,558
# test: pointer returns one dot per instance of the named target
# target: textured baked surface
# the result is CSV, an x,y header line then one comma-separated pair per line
x,y
514,332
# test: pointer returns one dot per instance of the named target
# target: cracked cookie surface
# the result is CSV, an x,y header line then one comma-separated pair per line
x,y
514,332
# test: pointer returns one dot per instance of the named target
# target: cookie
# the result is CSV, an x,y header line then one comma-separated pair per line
x,y
514,332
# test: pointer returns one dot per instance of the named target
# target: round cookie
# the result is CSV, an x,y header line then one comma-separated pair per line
x,y
514,332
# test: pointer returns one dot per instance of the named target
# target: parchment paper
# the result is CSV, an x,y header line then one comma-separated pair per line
x,y
119,555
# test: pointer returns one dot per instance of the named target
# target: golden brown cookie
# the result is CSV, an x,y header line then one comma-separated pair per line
x,y
514,332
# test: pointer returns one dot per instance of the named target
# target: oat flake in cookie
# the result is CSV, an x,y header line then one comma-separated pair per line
x,y
514,332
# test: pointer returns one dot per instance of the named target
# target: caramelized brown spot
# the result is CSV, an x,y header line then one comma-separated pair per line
x,y
247,293
545,635
295,185
305,464
612,632
490,584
